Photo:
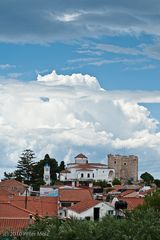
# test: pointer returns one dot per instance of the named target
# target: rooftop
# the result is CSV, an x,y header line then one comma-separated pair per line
x,y
13,224
88,165
132,202
81,155
84,205
75,195
9,210
43,206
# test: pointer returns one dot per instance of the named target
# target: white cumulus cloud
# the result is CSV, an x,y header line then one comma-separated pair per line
x,y
64,115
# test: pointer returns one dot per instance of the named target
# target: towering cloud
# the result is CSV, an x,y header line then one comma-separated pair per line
x,y
62,115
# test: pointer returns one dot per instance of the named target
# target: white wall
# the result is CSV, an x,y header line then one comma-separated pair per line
x,y
96,174
104,208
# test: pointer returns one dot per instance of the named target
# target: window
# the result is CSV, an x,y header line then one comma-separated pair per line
x,y
82,175
110,212
65,204
88,175
125,163
115,162
93,175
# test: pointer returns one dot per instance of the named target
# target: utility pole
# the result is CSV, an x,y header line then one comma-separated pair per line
x,y
26,197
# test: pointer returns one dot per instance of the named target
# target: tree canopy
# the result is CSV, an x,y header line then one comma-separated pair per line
x,y
147,178
141,224
25,166
38,171
31,172
116,181
157,182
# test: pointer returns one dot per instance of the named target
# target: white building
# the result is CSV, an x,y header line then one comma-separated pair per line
x,y
91,210
81,170
46,175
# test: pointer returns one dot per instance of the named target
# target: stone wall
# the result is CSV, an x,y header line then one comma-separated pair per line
x,y
126,167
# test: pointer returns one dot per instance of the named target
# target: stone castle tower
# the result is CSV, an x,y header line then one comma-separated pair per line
x,y
126,167
46,175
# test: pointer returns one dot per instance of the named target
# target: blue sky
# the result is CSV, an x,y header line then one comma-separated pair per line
x,y
115,69
117,42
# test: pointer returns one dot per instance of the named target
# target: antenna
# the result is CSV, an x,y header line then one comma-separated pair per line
x,y
124,151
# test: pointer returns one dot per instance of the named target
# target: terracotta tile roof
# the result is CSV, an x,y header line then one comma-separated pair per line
x,y
132,202
44,206
118,187
4,192
13,186
81,155
10,210
146,192
74,195
131,187
89,165
84,205
126,192
133,194
13,225
85,169
13,218
9,182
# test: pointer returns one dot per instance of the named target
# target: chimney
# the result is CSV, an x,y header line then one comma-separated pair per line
x,y
31,220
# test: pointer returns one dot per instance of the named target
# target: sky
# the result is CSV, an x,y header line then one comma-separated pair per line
x,y
80,76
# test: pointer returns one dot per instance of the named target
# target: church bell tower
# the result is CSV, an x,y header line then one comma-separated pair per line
x,y
46,175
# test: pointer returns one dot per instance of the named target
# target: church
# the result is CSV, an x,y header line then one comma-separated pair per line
x,y
83,171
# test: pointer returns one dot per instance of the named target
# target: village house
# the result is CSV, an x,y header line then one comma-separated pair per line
x,y
90,210
69,196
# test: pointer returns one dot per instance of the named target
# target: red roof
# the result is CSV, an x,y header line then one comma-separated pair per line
x,y
118,187
89,165
44,206
13,225
84,205
13,186
9,182
85,169
4,192
126,192
132,202
9,210
81,155
74,195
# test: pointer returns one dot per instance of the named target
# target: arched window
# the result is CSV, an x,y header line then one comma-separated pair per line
x,y
111,174
82,175
88,175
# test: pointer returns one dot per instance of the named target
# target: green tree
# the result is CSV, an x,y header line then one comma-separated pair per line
x,y
116,181
25,166
38,171
147,178
101,183
157,182
141,224
8,175
61,166
153,200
